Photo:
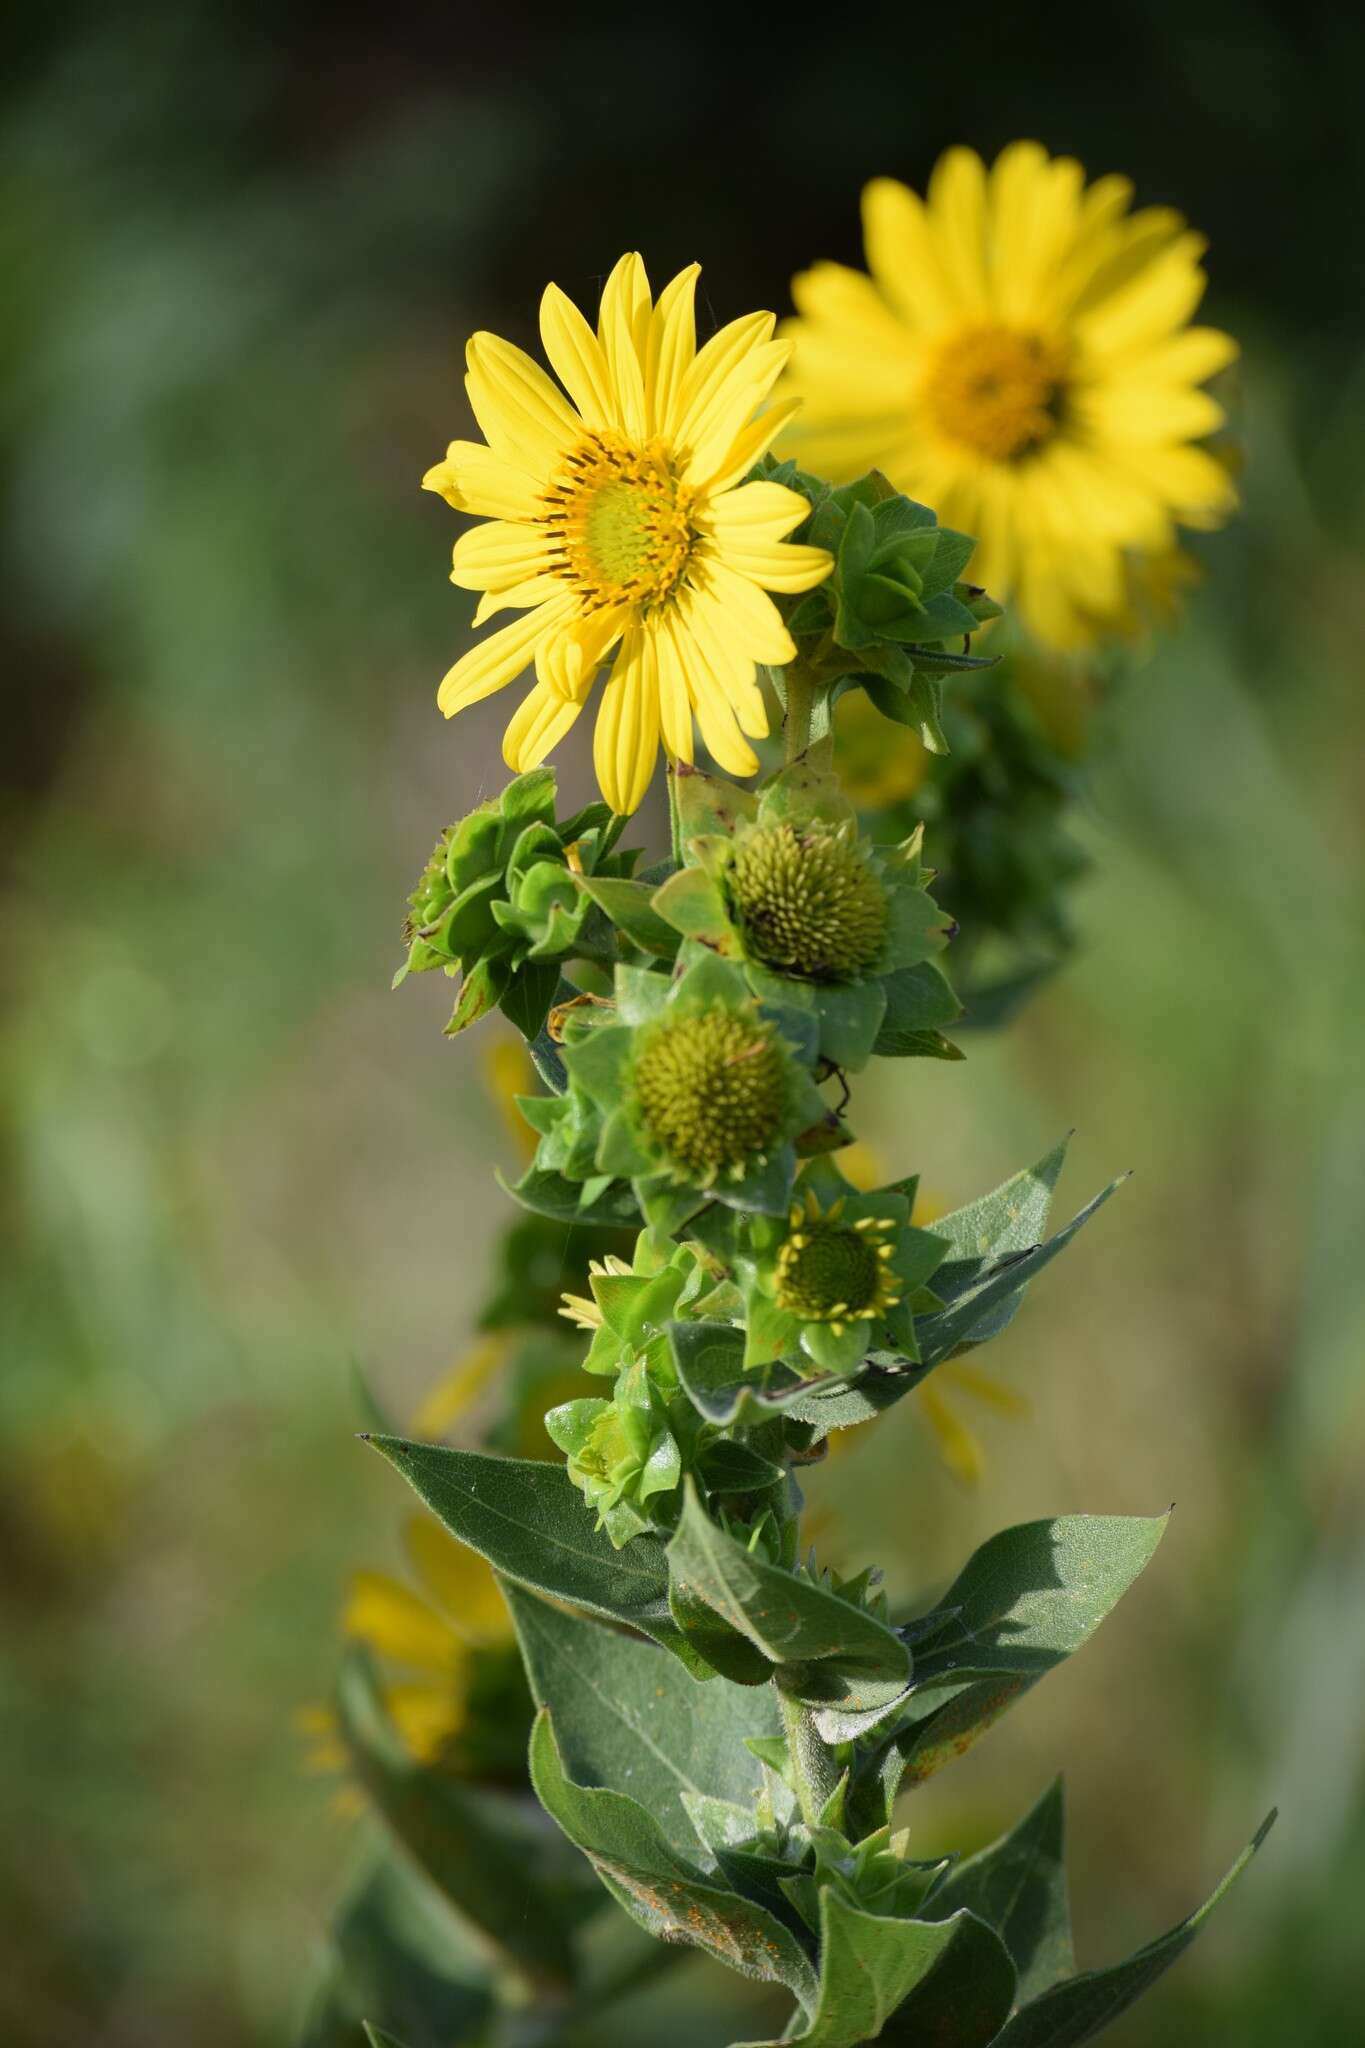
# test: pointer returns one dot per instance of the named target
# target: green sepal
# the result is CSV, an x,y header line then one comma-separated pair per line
x,y
570,1201
629,905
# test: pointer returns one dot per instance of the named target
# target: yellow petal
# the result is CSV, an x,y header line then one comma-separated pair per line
x,y
427,1717
457,1390
626,739
706,627
712,429
776,565
706,383
903,254
568,660
675,704
382,1612
622,325
744,613
670,347
957,209
523,415
576,356
957,1446
473,479
498,554
496,660
757,511
458,1579
1146,309
518,597
538,724
750,443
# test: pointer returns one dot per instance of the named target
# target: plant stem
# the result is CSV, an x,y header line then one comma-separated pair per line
x,y
800,690
813,1765
674,813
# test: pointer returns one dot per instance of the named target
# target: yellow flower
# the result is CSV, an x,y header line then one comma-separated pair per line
x,y
430,1635
1021,360
879,763
619,525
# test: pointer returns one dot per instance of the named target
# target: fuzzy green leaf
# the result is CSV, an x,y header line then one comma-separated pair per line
x,y
629,906
1027,1599
669,1897
1084,2006
628,1717
922,1983
551,1194
830,1653
1018,1887
474,1844
528,1519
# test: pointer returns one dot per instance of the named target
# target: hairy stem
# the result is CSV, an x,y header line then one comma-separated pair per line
x,y
800,690
813,1765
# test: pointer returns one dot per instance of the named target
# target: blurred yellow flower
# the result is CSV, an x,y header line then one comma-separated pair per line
x,y
432,1636
1021,360
618,522
879,763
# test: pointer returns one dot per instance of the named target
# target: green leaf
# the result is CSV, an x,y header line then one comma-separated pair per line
x,y
474,1844
667,1895
919,999
397,1951
628,1717
1084,2006
983,1298
1012,1218
710,1361
629,906
831,1653
377,2037
528,1519
922,1983
1018,1887
527,999
1026,1600
481,990
551,1194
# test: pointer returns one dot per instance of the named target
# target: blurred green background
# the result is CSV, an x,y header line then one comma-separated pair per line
x,y
242,247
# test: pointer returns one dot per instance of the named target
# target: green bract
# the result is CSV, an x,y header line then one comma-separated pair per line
x,y
896,616
820,920
510,892
694,1090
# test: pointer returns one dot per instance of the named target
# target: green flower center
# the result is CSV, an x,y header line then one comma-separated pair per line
x,y
834,1272
809,903
621,521
712,1090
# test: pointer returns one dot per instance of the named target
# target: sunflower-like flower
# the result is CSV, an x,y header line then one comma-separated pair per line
x,y
694,1091
619,524
1021,359
819,918
837,1276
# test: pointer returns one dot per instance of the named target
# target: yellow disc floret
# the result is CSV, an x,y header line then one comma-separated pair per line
x,y
809,903
830,1270
997,392
712,1091
619,517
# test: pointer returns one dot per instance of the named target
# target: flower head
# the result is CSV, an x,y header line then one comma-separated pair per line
x,y
619,525
1021,358
695,1091
816,917
837,1276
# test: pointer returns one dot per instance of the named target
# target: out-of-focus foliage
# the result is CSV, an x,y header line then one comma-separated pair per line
x,y
235,252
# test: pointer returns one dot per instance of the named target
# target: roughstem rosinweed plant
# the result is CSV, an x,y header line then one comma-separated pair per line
x,y
725,1731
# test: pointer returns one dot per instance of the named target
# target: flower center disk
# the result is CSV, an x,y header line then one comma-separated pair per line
x,y
997,391
826,1271
809,904
712,1090
621,522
